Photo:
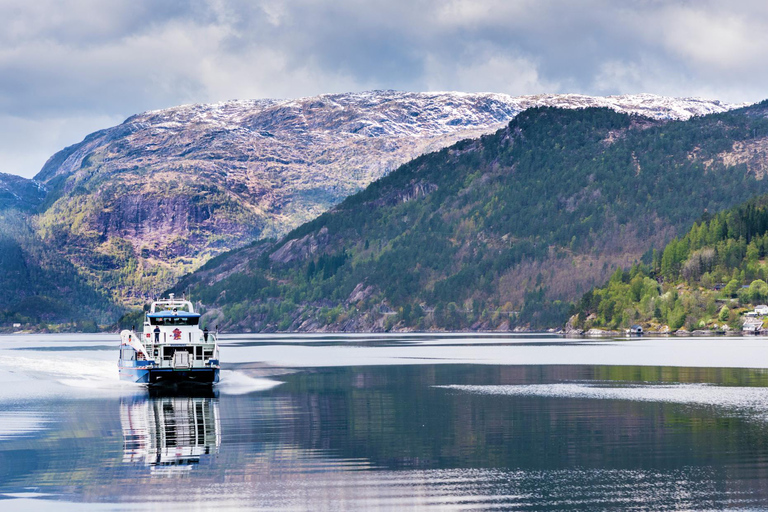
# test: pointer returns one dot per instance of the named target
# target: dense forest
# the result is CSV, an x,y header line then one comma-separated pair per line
x,y
497,232
703,280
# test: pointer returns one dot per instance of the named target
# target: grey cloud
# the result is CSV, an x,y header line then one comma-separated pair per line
x,y
83,23
89,60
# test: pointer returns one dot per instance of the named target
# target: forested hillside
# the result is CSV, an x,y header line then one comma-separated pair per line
x,y
135,206
40,286
132,207
494,232
703,280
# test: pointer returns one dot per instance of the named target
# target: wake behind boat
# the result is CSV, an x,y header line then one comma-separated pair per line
x,y
171,349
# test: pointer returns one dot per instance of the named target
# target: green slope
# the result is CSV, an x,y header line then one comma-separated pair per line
x,y
536,213
704,280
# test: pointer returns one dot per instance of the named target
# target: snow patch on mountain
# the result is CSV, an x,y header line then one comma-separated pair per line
x,y
331,120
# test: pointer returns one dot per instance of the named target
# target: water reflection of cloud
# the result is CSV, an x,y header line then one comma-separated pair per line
x,y
15,423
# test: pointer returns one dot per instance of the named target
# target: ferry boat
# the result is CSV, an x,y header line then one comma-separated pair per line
x,y
171,349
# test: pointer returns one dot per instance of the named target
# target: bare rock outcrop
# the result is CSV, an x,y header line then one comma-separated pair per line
x,y
301,248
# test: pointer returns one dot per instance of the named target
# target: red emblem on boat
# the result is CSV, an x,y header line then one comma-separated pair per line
x,y
177,334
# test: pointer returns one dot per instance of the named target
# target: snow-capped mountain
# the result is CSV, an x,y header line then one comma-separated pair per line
x,y
333,118
168,189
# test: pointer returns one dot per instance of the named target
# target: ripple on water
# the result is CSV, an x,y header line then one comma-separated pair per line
x,y
752,401
460,489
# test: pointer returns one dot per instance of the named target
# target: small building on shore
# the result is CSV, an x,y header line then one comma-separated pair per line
x,y
752,326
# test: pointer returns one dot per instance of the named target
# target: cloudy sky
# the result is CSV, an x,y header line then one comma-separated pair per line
x,y
69,67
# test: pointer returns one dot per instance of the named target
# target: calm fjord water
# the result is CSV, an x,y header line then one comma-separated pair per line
x,y
392,422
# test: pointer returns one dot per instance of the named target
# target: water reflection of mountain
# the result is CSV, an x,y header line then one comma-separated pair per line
x,y
170,433
396,417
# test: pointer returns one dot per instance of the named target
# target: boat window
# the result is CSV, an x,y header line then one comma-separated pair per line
x,y
178,307
128,354
175,320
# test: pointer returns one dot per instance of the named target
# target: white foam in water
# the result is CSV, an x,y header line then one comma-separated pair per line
x,y
86,377
750,400
78,376
62,366
236,383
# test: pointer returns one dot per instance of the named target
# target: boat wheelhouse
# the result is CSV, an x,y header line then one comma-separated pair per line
x,y
172,347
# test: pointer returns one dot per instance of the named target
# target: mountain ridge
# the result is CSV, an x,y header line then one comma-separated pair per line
x,y
511,222
137,205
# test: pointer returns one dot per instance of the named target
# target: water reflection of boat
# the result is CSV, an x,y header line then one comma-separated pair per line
x,y
170,433
171,349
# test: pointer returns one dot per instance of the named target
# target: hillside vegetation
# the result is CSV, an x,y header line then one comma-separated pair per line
x,y
704,280
41,287
497,232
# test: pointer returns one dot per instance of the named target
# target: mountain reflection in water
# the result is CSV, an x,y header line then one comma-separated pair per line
x,y
354,435
169,433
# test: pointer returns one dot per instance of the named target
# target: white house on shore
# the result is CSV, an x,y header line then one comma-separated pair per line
x,y
761,310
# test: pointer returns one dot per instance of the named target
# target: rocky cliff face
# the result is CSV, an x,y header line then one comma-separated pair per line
x,y
139,204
